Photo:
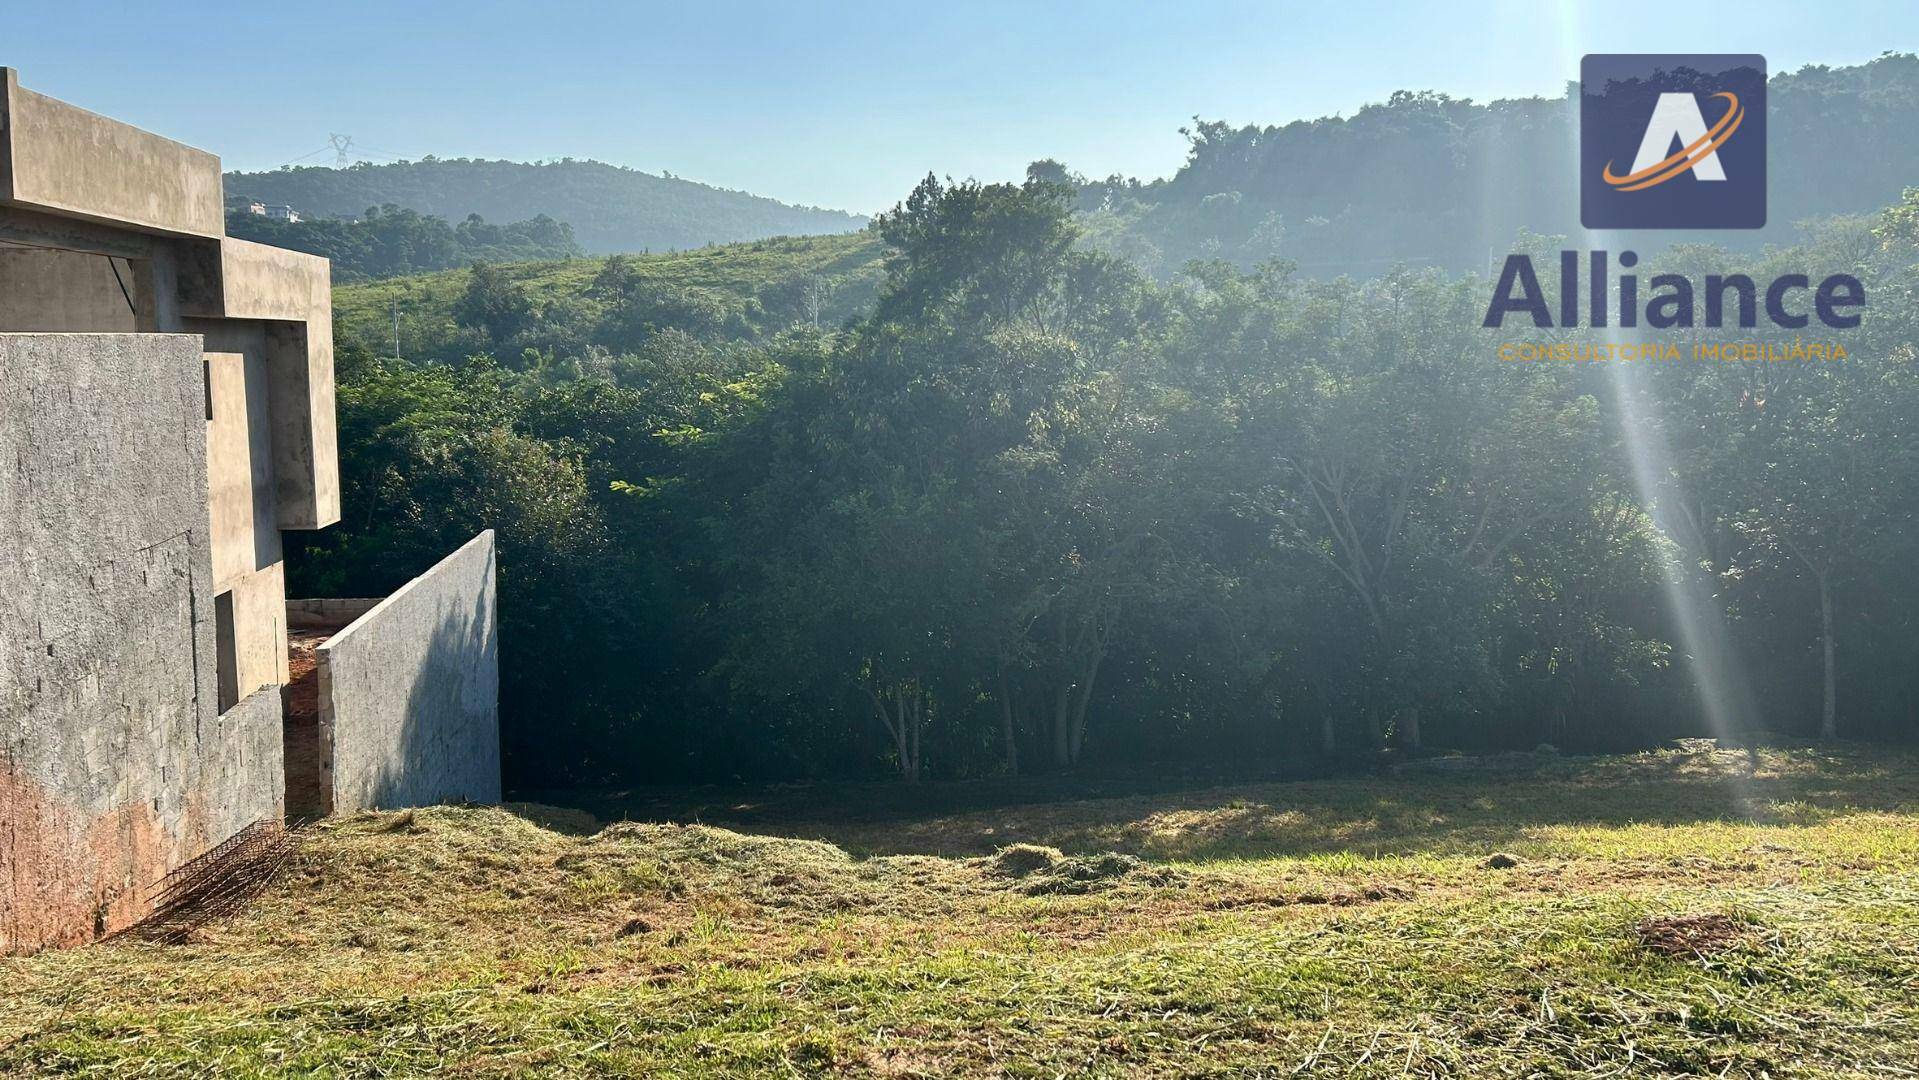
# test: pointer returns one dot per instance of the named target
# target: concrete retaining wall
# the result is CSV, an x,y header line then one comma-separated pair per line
x,y
409,692
114,765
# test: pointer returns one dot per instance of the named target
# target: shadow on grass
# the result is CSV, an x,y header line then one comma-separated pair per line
x,y
565,820
1436,810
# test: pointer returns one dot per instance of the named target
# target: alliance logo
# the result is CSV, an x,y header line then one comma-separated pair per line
x,y
1692,126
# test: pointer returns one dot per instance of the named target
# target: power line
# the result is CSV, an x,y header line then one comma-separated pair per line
x,y
345,151
305,156
377,152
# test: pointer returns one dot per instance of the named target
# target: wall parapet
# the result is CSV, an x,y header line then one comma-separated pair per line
x,y
63,159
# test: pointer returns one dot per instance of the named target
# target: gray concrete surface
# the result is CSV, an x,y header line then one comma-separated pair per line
x,y
46,290
249,579
290,293
65,159
114,766
143,490
409,692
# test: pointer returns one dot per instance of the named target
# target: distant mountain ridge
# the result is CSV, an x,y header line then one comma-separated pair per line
x,y
611,209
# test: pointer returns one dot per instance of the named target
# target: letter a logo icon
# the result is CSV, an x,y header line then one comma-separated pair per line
x,y
1692,128
1677,119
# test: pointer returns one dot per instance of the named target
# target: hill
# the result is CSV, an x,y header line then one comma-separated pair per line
x,y
1693,911
611,209
1432,180
728,292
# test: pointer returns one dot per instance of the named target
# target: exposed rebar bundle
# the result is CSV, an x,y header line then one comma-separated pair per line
x,y
217,883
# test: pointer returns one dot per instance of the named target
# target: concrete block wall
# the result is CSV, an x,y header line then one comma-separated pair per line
x,y
409,692
115,765
143,491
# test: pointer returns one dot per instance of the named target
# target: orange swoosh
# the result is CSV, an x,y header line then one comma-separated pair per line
x,y
1686,157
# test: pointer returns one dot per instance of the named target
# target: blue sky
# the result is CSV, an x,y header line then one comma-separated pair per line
x,y
846,104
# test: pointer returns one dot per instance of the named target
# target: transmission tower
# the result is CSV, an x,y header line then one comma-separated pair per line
x,y
342,146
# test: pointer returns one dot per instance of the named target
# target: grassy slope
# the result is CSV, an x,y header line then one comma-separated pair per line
x,y
363,313
1337,928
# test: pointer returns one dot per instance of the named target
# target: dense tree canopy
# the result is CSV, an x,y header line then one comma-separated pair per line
x,y
1039,509
1426,179
387,240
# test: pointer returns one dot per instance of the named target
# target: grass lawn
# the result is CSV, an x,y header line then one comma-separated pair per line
x,y
1691,911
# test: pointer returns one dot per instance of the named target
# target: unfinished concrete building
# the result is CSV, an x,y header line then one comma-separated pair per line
x,y
166,414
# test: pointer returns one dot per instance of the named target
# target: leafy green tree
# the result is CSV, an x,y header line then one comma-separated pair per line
x,y
493,303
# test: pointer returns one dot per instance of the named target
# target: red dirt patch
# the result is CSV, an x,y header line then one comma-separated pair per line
x,y
300,724
66,878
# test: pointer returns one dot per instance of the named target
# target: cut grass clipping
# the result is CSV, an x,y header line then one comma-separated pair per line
x,y
1695,912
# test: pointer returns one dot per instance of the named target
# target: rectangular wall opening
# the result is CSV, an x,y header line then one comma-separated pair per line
x,y
300,734
226,650
306,741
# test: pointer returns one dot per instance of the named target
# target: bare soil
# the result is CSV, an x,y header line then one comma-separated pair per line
x,y
300,726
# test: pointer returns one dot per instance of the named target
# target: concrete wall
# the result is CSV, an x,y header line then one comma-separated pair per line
x,y
409,692
114,765
142,494
290,294
260,281
49,291
67,160
306,454
76,186
249,578
246,538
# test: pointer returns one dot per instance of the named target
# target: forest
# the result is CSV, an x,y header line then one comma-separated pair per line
x,y
1004,502
1427,179
390,241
